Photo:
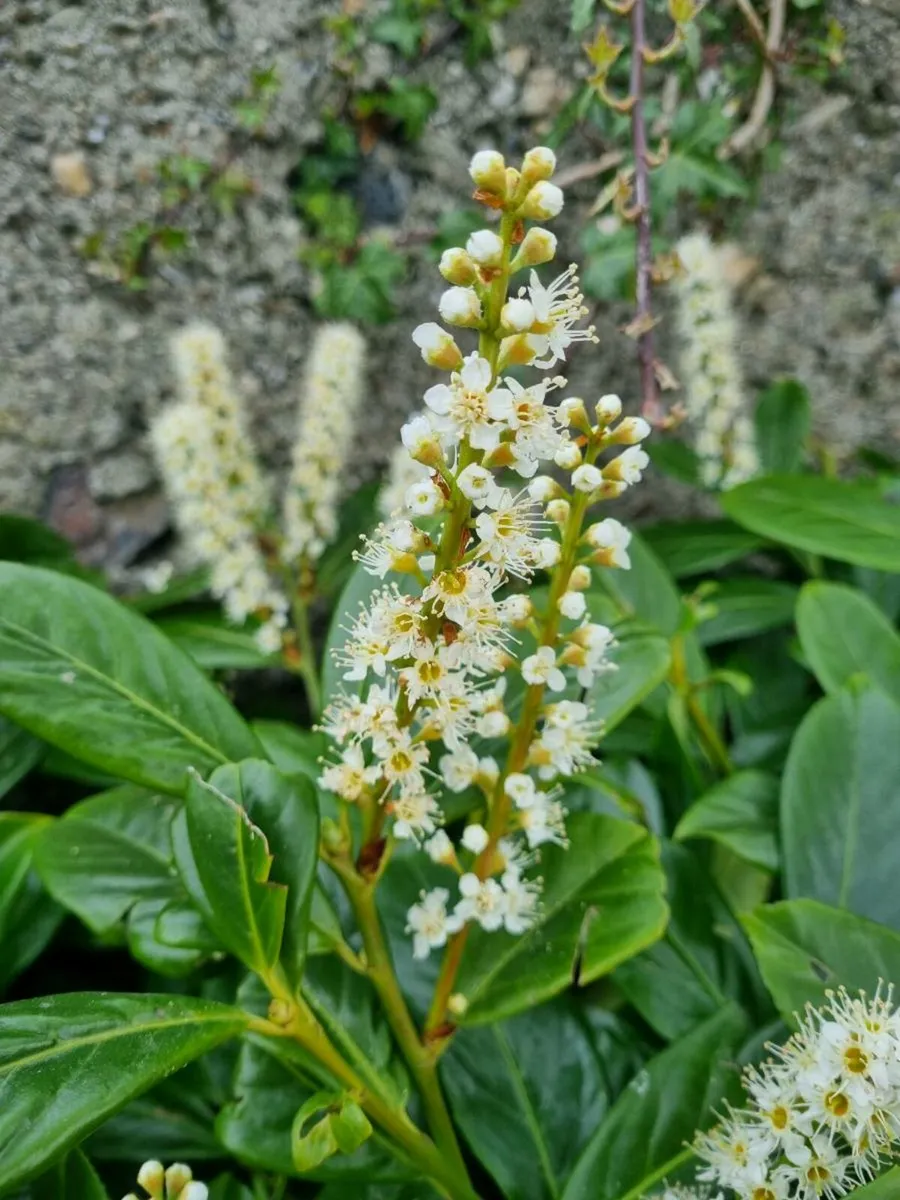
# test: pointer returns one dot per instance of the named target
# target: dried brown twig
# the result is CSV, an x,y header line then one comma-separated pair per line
x,y
747,134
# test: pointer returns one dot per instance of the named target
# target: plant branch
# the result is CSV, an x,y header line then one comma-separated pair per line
x,y
747,134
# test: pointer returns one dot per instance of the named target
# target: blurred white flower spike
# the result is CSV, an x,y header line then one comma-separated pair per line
x,y
469,523
724,435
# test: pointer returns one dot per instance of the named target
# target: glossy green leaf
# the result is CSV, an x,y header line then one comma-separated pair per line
x,y
68,1062
746,607
688,548
293,750
82,672
326,1124
840,805
24,540
233,860
646,591
783,417
19,753
170,1124
643,1138
28,918
886,1187
379,1191
642,663
558,1080
804,948
214,644
602,903
850,522
73,1178
843,633
702,960
740,812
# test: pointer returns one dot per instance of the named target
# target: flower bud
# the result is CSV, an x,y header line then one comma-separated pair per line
x,y
543,202
424,498
628,467
516,351
539,164
572,605
475,838
460,306
457,267
517,315
485,248
195,1191
548,553
568,456
488,772
421,441
457,1004
438,346
512,180
544,488
492,724
439,849
516,610
587,478
610,539
178,1176
580,578
629,432
571,411
152,1178
537,247
557,511
609,409
488,172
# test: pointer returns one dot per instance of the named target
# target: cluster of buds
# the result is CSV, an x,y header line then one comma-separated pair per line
x,y
442,654
724,436
173,1183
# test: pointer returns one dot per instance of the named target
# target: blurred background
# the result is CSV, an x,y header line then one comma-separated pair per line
x,y
267,166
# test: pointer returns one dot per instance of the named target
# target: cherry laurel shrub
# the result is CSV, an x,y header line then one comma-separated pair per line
x,y
429,943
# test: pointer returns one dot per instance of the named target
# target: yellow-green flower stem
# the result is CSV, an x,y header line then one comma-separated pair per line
x,y
522,738
291,1017
706,731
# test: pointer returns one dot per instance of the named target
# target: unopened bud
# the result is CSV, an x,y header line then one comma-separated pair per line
x,y
629,466
609,409
544,488
516,610
537,247
516,351
548,554
456,266
538,164
178,1176
460,306
512,180
629,432
568,456
421,441
492,724
152,1178
587,478
572,605
438,346
457,1004
543,202
571,411
485,248
579,579
439,849
195,1191
488,172
517,315
557,511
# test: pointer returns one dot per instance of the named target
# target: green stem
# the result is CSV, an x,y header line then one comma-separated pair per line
x,y
306,667
709,736
380,969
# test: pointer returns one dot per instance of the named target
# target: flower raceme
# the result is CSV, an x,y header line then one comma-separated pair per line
x,y
173,1183
468,683
824,1112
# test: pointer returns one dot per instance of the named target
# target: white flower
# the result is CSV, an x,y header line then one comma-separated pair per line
x,y
508,535
628,467
521,908
485,247
572,605
424,498
543,202
460,306
564,745
543,821
488,171
543,488
517,315
557,310
520,788
541,668
587,477
439,848
462,407
587,649
516,609
459,769
492,724
438,347
568,456
420,439
483,901
429,922
477,484
612,539
416,815
158,577
475,838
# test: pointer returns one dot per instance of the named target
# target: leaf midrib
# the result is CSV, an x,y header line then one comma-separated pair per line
x,y
112,685
109,1035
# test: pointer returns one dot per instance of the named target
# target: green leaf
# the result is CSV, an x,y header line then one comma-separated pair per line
x,y
558,1081
850,522
247,910
642,663
643,1138
783,420
214,644
171,1123
71,1179
843,634
24,540
602,903
746,607
886,1187
85,674
19,752
582,14
28,918
341,1128
688,548
702,960
646,591
68,1062
741,813
803,948
840,805
293,750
